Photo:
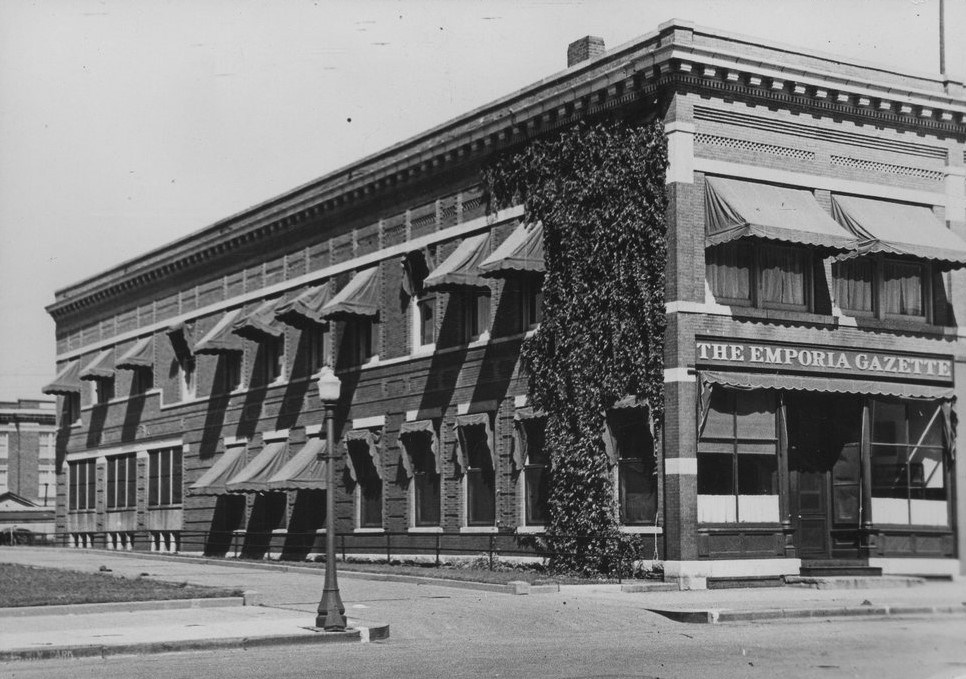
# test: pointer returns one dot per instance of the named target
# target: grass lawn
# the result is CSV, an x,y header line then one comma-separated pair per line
x,y
466,574
33,586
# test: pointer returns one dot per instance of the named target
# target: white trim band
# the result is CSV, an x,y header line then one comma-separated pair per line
x,y
369,422
678,466
672,375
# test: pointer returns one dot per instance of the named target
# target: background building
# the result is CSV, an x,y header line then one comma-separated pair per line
x,y
28,472
813,355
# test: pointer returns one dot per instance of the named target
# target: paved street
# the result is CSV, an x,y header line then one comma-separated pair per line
x,y
441,632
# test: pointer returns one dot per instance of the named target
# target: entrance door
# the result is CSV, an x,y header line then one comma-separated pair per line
x,y
823,466
810,512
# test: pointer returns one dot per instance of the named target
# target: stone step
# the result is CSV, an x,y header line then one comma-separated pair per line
x,y
853,582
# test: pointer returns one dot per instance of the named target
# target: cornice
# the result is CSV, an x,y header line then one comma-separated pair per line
x,y
631,75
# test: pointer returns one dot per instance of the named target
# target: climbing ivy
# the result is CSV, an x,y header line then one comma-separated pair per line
x,y
599,191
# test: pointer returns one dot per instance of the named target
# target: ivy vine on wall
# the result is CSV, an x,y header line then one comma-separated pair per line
x,y
599,191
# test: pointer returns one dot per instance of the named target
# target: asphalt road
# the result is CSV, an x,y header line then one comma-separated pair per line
x,y
880,649
440,632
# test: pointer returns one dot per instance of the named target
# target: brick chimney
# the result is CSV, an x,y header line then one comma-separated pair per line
x,y
590,47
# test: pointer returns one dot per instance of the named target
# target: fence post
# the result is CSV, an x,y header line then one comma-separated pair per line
x,y
388,548
437,550
491,552
620,561
343,546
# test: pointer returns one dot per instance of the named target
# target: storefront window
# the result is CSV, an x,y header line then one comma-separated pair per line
x,y
737,459
908,470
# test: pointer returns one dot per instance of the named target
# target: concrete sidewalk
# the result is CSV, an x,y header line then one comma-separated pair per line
x,y
289,595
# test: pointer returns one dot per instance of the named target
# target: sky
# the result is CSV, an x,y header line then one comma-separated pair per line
x,y
126,124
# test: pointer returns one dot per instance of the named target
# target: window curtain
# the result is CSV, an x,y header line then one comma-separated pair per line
x,y
729,271
902,294
853,285
782,275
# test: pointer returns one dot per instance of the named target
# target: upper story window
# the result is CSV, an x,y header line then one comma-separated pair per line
x,y
476,315
187,384
270,360
424,330
359,337
72,408
319,347
48,447
746,273
102,390
531,302
142,381
357,304
883,287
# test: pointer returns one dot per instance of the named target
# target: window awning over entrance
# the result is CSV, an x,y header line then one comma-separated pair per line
x,y
221,339
521,252
836,385
462,268
899,228
141,355
261,323
740,209
67,381
305,307
255,475
212,482
305,471
101,368
359,298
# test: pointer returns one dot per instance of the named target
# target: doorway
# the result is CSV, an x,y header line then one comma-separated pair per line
x,y
824,466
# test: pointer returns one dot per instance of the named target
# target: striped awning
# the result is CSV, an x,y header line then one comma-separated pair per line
x,y
835,385
305,307
305,471
261,323
737,209
520,253
141,355
462,268
360,297
255,475
101,368
213,481
67,380
220,338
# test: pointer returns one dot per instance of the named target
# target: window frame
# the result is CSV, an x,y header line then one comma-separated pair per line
x,y
479,478
102,391
142,381
88,482
753,250
319,341
121,480
476,320
927,281
157,497
531,302
367,478
625,458
535,508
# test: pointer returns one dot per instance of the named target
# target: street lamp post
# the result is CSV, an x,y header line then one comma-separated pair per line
x,y
331,613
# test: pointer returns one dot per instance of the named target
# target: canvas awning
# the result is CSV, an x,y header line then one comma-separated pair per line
x,y
371,440
474,420
213,481
521,444
305,307
521,252
101,368
410,430
305,471
180,336
261,323
741,209
221,339
67,380
462,268
835,385
255,475
360,297
899,229
141,355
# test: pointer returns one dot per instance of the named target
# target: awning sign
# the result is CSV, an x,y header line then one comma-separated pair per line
x,y
805,358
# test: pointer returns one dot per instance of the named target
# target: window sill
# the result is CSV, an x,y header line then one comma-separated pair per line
x,y
899,325
425,529
799,317
642,530
157,508
423,350
369,531
531,530
478,529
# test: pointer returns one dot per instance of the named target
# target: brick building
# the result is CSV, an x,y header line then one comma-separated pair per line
x,y
28,474
813,354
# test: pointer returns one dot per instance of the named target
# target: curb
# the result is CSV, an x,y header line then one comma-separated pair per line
x,y
121,607
715,616
376,632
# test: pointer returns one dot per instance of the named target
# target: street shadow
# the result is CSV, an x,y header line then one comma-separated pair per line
x,y
308,516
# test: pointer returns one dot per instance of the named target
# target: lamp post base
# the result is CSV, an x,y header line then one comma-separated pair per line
x,y
331,613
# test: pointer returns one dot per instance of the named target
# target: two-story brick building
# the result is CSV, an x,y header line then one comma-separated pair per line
x,y
28,473
813,354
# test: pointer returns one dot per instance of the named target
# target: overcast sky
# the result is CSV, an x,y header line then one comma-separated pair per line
x,y
125,124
